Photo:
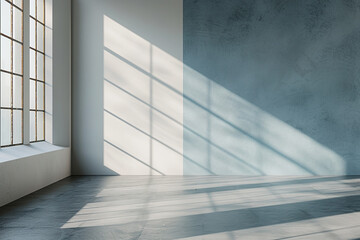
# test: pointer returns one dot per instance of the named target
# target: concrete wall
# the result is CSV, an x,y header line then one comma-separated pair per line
x,y
127,88
271,87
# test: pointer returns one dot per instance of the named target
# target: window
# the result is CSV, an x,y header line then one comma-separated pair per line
x,y
37,70
12,76
11,72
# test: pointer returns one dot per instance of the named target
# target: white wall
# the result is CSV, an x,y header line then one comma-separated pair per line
x,y
62,72
127,103
58,72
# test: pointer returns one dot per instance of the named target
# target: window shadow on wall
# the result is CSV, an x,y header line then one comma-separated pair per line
x,y
157,121
286,77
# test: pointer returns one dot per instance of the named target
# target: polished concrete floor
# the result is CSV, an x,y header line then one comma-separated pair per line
x,y
214,207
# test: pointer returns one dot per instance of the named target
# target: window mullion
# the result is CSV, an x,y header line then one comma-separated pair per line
x,y
0,78
26,72
12,76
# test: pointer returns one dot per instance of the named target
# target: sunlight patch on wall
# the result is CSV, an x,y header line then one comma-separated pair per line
x,y
143,105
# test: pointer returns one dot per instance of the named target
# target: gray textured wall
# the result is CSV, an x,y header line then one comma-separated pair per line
x,y
271,87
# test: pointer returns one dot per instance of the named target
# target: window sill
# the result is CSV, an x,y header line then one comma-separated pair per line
x,y
22,151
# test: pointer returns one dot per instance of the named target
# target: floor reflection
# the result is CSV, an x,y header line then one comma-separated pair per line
x,y
196,207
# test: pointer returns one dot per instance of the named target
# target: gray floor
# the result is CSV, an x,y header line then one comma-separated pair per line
x,y
187,208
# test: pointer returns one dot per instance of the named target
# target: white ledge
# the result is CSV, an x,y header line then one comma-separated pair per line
x,y
22,151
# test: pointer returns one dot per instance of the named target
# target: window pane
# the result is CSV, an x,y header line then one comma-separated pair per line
x,y
5,17
17,58
11,95
17,92
40,10
32,94
32,126
32,63
5,54
40,126
5,90
18,3
40,37
17,27
32,33
40,96
40,66
32,8
5,127
17,126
